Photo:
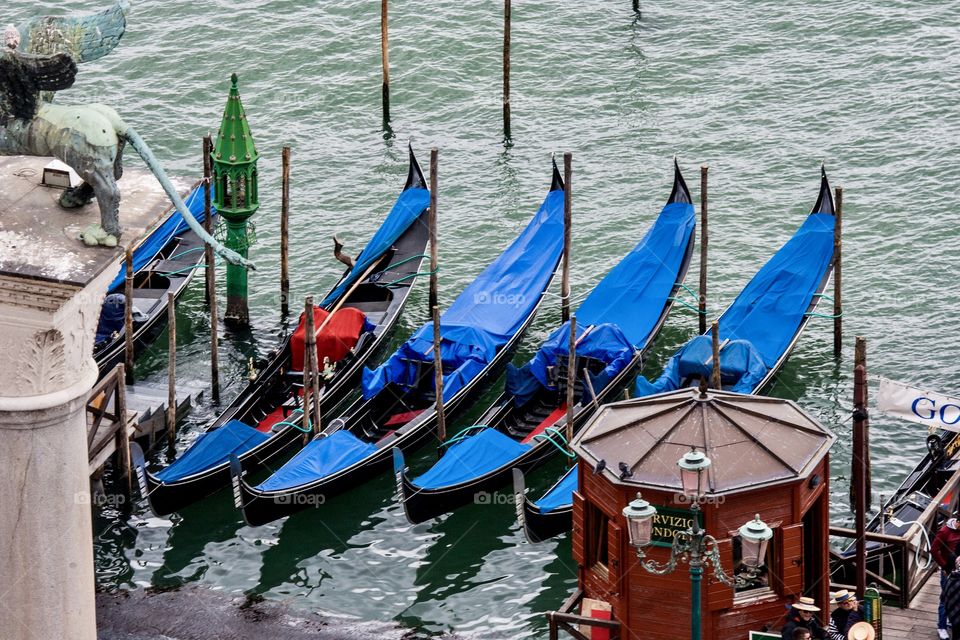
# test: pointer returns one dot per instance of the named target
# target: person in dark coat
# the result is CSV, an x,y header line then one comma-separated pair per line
x,y
803,616
944,551
847,614
950,599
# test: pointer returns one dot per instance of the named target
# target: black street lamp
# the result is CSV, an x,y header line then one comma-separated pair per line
x,y
694,545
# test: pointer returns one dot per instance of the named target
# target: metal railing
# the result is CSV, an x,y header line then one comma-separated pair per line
x,y
909,570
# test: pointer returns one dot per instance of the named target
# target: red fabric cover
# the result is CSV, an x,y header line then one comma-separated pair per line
x,y
335,341
549,421
596,633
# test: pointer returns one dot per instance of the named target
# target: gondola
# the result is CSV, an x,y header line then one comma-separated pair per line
x,y
903,509
616,325
757,333
164,263
264,423
480,331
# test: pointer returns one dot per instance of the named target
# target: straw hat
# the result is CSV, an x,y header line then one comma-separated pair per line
x,y
805,604
841,596
861,631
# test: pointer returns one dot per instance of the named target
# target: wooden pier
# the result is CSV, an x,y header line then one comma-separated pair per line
x,y
917,622
143,405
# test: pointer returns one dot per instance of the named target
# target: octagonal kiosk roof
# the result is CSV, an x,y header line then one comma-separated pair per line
x,y
752,441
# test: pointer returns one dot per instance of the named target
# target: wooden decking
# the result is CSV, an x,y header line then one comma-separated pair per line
x,y
919,622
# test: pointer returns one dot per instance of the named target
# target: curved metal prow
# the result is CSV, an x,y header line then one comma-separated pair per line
x,y
557,183
825,198
680,191
415,179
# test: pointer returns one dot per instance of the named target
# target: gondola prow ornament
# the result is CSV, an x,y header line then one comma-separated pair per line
x,y
40,57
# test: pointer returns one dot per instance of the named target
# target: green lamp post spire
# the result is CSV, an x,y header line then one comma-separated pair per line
x,y
236,195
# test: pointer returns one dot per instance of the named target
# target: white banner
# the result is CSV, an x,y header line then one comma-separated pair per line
x,y
917,405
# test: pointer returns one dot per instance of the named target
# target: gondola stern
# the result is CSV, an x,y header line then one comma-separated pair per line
x,y
415,179
139,463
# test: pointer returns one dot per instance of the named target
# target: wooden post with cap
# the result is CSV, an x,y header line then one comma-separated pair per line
x,y
702,305
432,226
567,221
837,272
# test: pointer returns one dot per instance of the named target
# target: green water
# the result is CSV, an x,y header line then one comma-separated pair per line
x,y
761,91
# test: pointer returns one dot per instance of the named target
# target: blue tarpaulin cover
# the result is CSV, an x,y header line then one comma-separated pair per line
x,y
765,316
622,310
472,458
213,448
111,317
487,313
320,458
170,228
408,208
560,495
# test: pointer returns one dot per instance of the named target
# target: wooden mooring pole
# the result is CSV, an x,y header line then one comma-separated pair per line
x,y
571,375
121,407
715,380
285,235
385,57
311,372
506,70
214,337
837,275
432,226
567,223
171,371
859,463
702,305
208,258
438,376
128,352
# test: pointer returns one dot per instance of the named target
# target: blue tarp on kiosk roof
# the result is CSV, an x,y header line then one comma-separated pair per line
x,y
487,313
170,228
407,208
762,321
621,312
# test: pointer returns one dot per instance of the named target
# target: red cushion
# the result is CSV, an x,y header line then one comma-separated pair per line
x,y
338,337
402,418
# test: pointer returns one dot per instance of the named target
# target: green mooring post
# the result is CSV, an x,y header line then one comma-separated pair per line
x,y
236,196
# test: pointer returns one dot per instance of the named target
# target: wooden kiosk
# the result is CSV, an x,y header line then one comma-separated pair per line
x,y
768,457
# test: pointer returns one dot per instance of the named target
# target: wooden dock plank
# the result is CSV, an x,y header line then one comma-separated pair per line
x,y
919,621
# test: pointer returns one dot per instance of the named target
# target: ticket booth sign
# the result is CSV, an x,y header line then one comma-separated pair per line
x,y
667,523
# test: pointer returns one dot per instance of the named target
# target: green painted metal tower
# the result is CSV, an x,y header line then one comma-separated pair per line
x,y
236,196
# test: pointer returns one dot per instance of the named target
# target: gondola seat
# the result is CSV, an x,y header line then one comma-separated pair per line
x,y
338,338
